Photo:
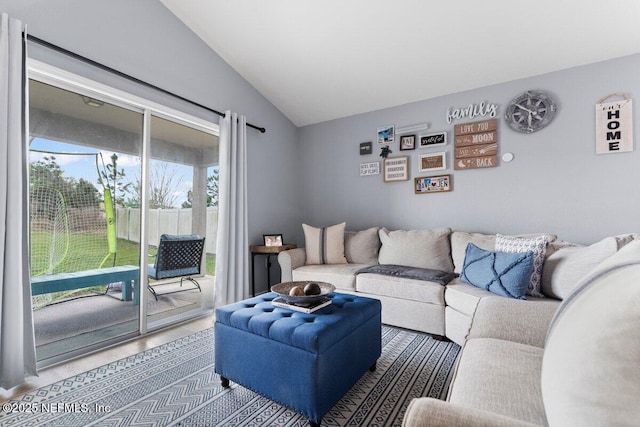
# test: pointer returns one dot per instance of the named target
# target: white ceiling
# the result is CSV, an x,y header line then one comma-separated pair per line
x,y
322,60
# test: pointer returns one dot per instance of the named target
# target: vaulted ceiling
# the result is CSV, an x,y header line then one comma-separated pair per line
x,y
322,60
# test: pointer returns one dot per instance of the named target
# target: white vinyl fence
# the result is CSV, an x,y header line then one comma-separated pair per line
x,y
165,221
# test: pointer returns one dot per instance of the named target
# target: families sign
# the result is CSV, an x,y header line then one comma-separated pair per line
x,y
614,127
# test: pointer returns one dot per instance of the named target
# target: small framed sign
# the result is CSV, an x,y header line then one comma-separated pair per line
x,y
433,140
365,148
432,162
432,184
372,168
396,169
408,142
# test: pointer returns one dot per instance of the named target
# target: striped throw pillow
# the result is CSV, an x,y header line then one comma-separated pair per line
x,y
324,245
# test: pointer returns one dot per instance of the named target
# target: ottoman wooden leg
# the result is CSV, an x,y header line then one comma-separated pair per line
x,y
372,368
313,424
225,382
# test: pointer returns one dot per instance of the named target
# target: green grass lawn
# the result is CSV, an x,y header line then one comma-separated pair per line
x,y
87,251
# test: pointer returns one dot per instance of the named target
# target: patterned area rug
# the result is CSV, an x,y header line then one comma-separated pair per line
x,y
175,385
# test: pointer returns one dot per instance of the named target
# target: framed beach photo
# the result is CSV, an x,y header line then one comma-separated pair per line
x,y
432,184
272,239
408,142
386,134
432,162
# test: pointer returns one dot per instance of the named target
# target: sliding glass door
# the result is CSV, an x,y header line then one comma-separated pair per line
x,y
182,202
110,174
84,153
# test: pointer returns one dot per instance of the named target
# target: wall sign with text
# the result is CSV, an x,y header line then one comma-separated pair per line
x,y
372,168
433,140
476,145
396,169
432,184
471,111
614,127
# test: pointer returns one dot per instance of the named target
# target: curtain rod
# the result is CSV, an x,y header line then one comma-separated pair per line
x,y
127,76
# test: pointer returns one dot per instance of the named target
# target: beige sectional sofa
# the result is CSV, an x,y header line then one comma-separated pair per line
x,y
500,377
581,369
568,357
431,307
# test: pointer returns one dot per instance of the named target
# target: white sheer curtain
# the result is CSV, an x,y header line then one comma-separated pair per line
x,y
232,248
17,343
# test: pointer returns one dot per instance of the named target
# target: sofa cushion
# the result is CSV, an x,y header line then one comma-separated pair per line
x,y
501,377
508,319
459,241
429,411
362,247
590,372
417,248
506,274
538,245
566,266
464,297
402,288
457,325
324,245
342,276
467,306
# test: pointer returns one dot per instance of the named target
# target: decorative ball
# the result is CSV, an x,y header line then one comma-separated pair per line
x,y
312,289
296,291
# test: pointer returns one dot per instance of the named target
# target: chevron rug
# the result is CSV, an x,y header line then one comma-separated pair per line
x,y
174,385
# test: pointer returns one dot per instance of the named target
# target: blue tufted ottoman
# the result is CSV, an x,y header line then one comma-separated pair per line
x,y
305,362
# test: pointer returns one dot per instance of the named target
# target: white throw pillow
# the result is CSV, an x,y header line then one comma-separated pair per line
x,y
590,372
361,247
417,248
567,265
459,242
324,245
537,245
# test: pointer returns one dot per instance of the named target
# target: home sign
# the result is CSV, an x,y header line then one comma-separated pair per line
x,y
614,127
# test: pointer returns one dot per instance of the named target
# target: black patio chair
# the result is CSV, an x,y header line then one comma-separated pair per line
x,y
177,256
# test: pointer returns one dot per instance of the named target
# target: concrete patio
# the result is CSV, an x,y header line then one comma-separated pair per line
x,y
88,320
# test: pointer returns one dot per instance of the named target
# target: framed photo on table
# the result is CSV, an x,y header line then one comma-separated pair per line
x,y
272,239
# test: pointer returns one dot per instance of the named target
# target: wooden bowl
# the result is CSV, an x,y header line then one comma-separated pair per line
x,y
282,289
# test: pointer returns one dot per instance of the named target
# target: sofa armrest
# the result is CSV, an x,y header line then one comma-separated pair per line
x,y
289,261
521,321
430,412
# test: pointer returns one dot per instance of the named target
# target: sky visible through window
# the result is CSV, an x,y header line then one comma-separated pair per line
x,y
85,167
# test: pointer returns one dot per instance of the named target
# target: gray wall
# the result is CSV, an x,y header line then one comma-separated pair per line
x,y
555,184
143,39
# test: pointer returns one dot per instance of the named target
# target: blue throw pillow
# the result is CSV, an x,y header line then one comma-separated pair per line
x,y
506,274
